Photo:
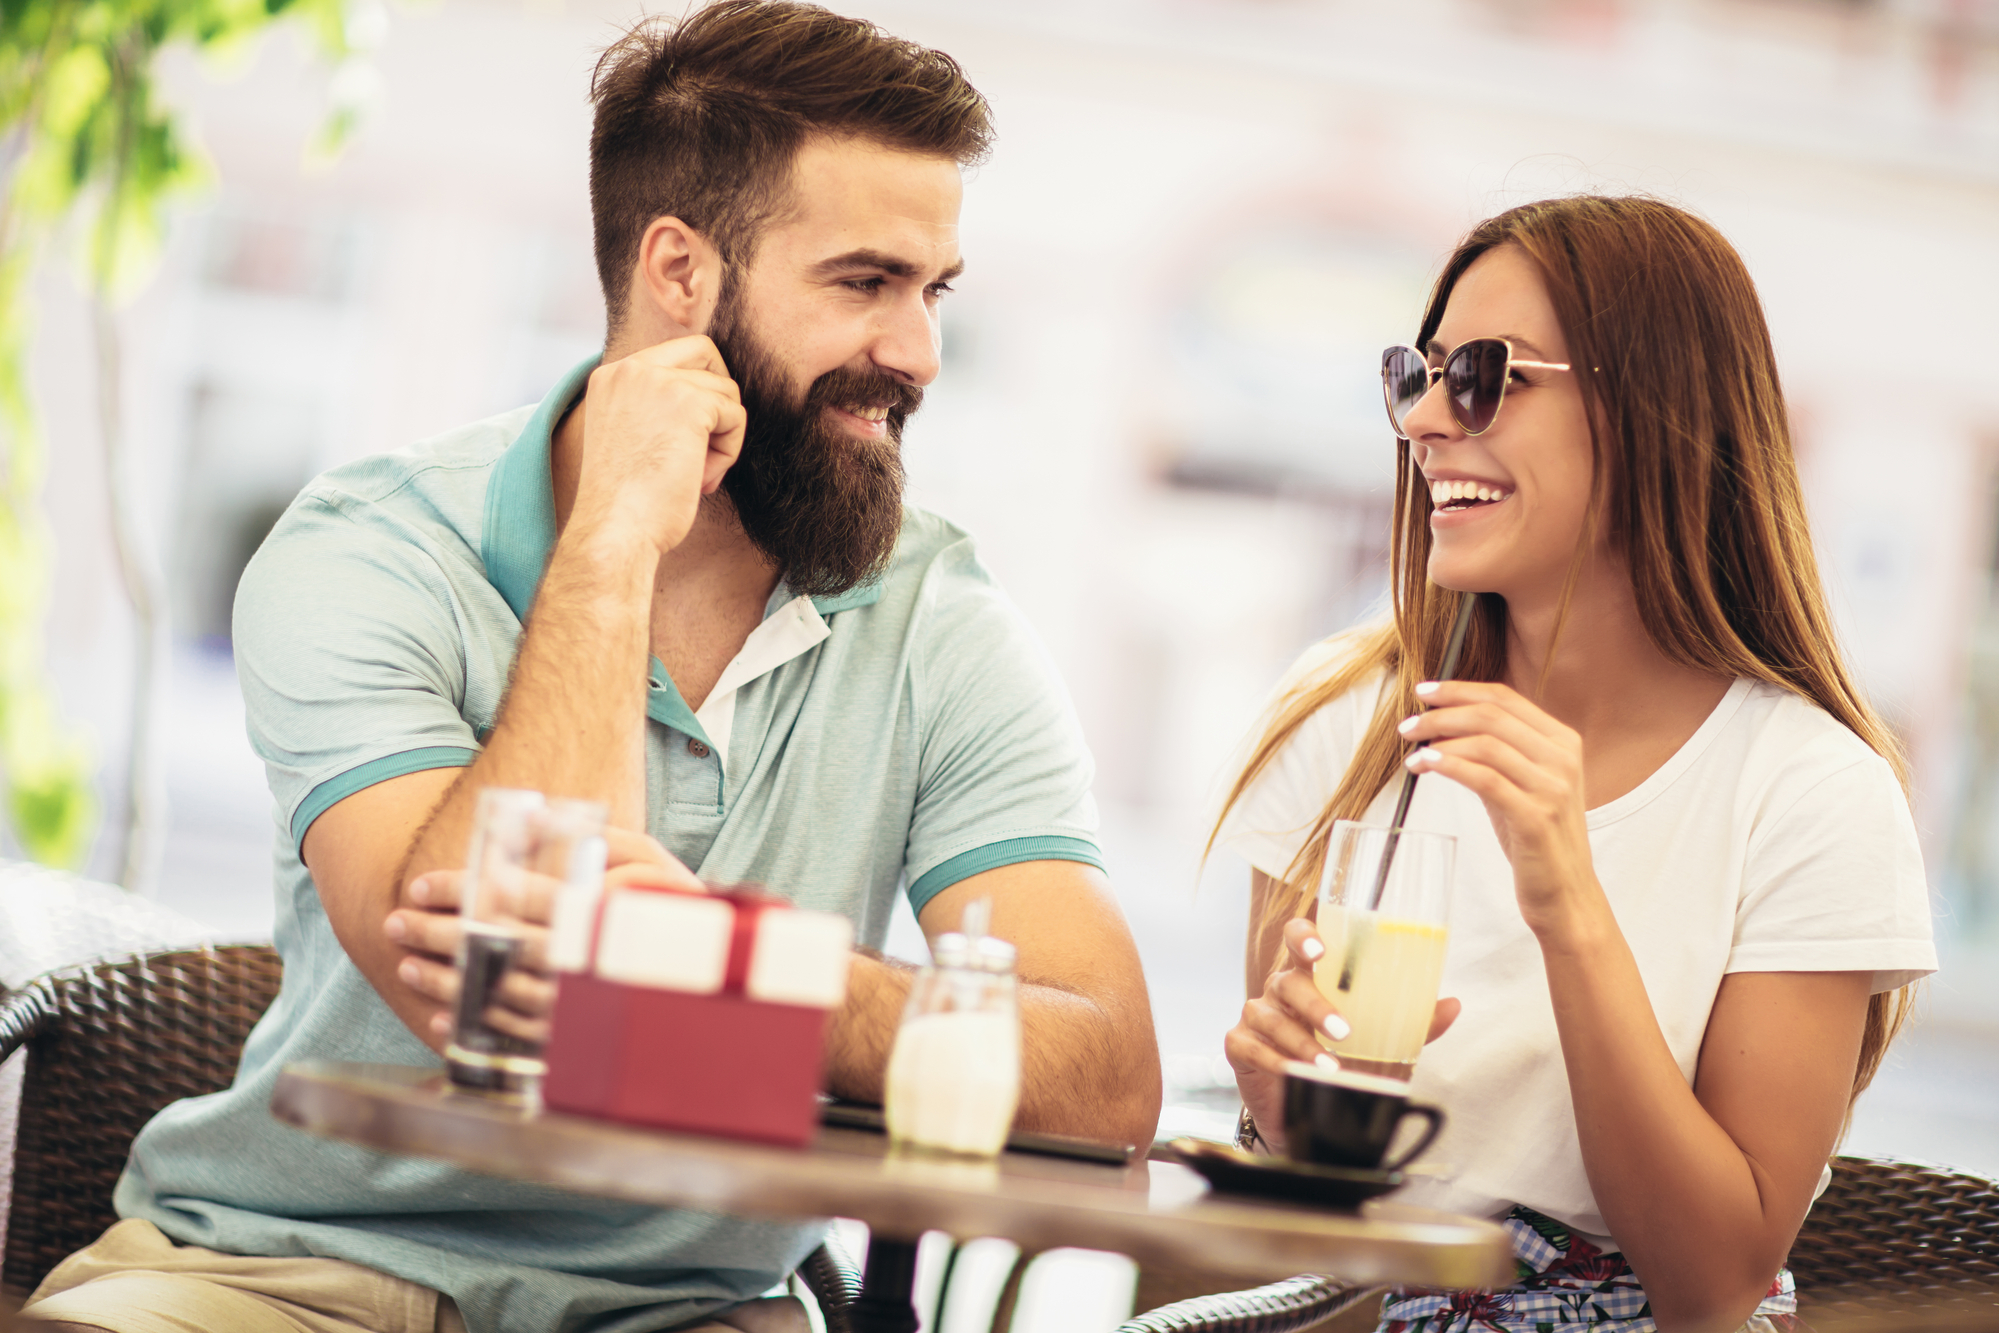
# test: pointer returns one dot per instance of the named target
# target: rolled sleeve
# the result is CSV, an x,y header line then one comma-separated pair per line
x,y
351,655
1004,772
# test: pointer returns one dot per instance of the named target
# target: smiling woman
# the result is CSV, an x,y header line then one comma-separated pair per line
x,y
1689,894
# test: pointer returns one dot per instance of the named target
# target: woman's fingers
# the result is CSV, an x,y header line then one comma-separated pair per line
x,y
1440,724
1438,694
1482,781
1490,752
1301,998
1445,1014
1302,942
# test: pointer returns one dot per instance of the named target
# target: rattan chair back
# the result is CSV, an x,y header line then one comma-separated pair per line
x,y
108,1046
1899,1235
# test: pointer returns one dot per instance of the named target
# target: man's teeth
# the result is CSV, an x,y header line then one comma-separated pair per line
x,y
1446,492
870,413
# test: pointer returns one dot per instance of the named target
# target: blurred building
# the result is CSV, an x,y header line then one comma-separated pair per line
x,y
1160,411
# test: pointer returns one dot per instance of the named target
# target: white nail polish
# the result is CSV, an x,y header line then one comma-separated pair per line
x,y
1337,1028
1324,1060
1419,761
1426,689
1312,949
1406,725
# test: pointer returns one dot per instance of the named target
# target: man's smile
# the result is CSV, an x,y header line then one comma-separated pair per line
x,y
864,420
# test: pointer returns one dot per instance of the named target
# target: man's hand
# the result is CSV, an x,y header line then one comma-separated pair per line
x,y
660,428
425,928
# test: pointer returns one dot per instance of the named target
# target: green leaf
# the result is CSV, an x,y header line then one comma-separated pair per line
x,y
94,147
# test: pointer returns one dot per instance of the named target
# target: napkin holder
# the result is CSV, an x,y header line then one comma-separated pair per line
x,y
703,1012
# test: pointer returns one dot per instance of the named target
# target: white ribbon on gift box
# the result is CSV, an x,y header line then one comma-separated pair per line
x,y
681,941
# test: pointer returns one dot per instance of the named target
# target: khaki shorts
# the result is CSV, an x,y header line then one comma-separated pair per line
x,y
136,1280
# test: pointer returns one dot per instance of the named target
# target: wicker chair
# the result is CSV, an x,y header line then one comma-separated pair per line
x,y
1898,1239
110,1044
1280,1307
1891,1246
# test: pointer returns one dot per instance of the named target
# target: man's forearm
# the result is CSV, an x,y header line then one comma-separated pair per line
x,y
1078,1076
572,723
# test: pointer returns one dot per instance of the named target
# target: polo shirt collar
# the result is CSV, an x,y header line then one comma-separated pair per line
x,y
519,533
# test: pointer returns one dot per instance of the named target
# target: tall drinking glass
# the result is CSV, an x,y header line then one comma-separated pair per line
x,y
1383,960
526,851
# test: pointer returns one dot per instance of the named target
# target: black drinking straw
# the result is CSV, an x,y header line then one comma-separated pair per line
x,y
1452,651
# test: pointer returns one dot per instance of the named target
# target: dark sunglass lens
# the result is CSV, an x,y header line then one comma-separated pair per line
x,y
1405,375
1475,379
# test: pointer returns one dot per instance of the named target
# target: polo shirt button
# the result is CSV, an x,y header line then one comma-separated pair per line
x,y
696,748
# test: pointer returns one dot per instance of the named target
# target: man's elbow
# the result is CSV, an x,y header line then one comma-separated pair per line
x,y
1132,1093
1139,1115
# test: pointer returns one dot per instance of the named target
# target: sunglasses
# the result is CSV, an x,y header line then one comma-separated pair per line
x,y
1474,375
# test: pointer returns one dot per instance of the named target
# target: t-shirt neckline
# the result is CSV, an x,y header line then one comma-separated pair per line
x,y
1682,759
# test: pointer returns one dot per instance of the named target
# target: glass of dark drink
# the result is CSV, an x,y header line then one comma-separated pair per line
x,y
526,850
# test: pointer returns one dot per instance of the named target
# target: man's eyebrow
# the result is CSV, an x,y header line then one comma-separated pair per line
x,y
890,264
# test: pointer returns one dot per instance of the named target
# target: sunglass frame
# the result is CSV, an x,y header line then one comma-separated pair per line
x,y
1438,372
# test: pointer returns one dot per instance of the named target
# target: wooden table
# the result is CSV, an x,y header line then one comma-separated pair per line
x,y
1155,1212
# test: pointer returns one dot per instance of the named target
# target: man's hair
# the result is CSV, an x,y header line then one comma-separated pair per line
x,y
702,118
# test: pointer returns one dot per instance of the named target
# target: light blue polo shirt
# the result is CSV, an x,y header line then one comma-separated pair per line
x,y
911,732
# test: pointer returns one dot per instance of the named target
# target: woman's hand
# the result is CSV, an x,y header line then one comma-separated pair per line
x,y
1282,1025
426,926
1528,770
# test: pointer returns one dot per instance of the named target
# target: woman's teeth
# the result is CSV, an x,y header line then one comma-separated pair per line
x,y
1464,492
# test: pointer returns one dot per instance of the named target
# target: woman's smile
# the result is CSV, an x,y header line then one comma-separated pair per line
x,y
1459,500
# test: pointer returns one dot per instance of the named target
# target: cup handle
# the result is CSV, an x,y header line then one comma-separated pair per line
x,y
1432,1114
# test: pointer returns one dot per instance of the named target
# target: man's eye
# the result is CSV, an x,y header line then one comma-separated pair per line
x,y
869,285
939,288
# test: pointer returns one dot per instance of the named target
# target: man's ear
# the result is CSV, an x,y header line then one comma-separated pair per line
x,y
678,278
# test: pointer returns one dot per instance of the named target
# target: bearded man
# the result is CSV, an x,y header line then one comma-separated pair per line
x,y
684,585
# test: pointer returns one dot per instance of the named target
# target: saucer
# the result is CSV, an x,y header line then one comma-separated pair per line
x,y
1233,1171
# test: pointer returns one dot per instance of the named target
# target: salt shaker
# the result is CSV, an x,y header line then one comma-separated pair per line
x,y
954,1073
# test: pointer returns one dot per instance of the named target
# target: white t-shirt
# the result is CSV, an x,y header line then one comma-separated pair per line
x,y
1775,840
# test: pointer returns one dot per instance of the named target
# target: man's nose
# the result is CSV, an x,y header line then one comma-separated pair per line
x,y
908,340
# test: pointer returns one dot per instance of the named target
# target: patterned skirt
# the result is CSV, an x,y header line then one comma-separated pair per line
x,y
1564,1282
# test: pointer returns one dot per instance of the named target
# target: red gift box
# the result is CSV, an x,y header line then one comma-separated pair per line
x,y
701,1012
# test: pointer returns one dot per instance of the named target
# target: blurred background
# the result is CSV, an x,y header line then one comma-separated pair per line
x,y
1159,412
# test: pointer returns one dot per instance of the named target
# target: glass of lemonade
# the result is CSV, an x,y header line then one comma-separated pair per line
x,y
1383,962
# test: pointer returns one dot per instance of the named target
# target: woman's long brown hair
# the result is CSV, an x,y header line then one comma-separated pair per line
x,y
1695,479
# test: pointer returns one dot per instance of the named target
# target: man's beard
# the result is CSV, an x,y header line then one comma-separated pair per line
x,y
825,506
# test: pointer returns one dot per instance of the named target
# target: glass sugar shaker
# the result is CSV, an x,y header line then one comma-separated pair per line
x,y
954,1072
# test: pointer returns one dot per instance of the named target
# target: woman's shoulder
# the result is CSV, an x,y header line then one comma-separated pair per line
x,y
1290,780
1786,747
1319,665
1784,726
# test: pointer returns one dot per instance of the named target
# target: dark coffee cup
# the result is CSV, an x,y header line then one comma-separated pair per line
x,y
1335,1117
